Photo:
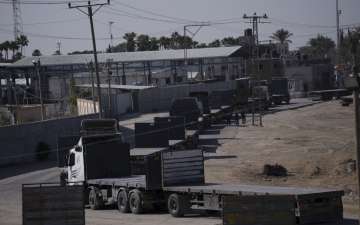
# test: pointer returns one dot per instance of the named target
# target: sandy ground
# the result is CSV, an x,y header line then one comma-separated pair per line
x,y
314,143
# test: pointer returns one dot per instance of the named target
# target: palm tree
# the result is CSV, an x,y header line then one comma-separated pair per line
x,y
176,41
130,41
154,44
2,48
22,41
6,45
282,36
36,52
164,42
13,46
321,45
143,42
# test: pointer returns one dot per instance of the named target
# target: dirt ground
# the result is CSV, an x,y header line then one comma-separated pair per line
x,y
315,144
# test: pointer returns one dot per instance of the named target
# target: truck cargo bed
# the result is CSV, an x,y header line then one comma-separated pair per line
x,y
138,181
235,189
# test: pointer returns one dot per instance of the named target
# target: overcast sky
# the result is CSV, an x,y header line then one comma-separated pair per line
x,y
46,24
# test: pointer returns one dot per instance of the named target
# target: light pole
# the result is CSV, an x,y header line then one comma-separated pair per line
x,y
37,71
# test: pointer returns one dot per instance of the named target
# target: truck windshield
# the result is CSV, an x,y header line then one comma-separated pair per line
x,y
100,138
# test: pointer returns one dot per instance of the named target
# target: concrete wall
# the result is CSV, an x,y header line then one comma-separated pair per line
x,y
120,104
18,143
159,99
86,107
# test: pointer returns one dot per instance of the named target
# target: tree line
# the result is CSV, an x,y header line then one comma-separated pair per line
x,y
317,47
143,42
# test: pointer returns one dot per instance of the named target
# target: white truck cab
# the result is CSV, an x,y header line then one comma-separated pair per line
x,y
92,131
75,169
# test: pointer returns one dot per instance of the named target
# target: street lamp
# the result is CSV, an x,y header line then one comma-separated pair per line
x,y
37,65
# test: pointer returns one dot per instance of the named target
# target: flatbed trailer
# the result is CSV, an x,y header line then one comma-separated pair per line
x,y
182,188
153,178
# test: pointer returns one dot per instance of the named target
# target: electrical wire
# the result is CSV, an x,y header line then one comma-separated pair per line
x,y
44,2
47,22
57,37
154,13
123,13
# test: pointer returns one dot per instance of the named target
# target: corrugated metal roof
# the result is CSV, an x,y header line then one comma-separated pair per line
x,y
55,60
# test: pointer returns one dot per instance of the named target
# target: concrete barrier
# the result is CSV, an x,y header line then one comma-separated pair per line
x,y
18,143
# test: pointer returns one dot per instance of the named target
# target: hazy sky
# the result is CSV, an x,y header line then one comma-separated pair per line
x,y
46,24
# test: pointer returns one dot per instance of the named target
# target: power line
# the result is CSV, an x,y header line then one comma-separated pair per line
x,y
137,16
42,2
47,22
154,13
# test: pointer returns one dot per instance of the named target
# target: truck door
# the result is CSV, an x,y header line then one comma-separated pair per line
x,y
76,166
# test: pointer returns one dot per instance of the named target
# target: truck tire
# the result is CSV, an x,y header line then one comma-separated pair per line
x,y
123,202
177,205
95,201
135,202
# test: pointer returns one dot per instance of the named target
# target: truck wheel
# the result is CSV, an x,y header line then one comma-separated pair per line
x,y
95,201
135,202
177,205
122,202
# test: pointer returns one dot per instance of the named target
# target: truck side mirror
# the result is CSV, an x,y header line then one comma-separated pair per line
x,y
77,148
72,159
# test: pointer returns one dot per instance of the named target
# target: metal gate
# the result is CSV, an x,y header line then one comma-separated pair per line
x,y
52,204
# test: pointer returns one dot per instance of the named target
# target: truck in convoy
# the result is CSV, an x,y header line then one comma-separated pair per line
x,y
190,108
279,90
260,94
151,178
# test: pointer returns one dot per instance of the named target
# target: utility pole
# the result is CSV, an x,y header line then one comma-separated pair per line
x,y
354,38
37,70
90,13
338,13
352,83
58,45
109,72
255,20
111,36
199,26
91,67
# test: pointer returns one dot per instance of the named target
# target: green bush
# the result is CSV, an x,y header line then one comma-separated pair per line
x,y
42,151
